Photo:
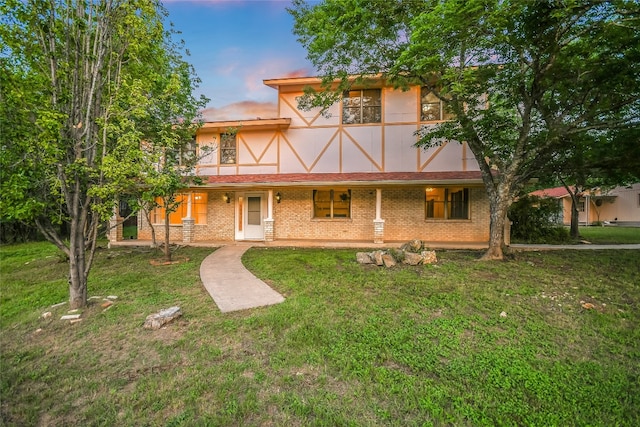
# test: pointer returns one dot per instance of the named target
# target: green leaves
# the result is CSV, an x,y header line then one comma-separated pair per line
x,y
82,84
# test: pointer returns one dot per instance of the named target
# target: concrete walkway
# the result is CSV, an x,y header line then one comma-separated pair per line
x,y
231,285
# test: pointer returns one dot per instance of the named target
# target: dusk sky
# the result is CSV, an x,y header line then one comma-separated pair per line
x,y
234,46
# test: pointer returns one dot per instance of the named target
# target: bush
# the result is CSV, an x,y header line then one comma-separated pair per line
x,y
534,221
18,232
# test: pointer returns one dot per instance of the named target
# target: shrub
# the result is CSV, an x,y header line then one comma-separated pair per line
x,y
534,221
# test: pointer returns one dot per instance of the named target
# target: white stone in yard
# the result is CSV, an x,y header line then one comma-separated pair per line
x,y
156,321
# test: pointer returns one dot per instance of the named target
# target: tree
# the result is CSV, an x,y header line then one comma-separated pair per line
x,y
595,160
519,76
82,81
169,168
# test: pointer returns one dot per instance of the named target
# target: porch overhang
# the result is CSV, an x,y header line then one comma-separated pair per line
x,y
245,125
359,179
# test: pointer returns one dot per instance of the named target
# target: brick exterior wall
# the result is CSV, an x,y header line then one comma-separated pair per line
x,y
403,212
219,226
294,217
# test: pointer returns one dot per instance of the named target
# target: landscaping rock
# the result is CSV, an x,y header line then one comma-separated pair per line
x,y
412,258
388,260
46,315
70,317
414,246
156,321
429,257
364,258
377,256
391,257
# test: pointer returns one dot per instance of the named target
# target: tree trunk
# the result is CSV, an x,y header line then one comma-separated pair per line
x,y
167,229
575,223
498,213
77,266
147,214
575,229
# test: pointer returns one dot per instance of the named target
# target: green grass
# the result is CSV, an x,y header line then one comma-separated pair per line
x,y
351,345
611,235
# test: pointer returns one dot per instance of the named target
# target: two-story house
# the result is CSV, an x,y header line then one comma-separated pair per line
x,y
351,175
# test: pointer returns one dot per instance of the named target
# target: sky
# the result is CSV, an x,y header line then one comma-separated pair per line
x,y
234,45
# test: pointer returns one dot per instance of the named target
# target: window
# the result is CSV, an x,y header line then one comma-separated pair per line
x,y
361,106
432,108
198,209
183,155
228,148
581,205
447,203
334,203
188,153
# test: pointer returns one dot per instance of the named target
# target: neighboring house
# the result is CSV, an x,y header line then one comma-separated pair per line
x,y
620,205
354,175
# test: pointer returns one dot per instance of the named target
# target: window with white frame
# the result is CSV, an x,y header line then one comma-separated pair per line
x,y
432,108
228,149
332,203
361,106
447,203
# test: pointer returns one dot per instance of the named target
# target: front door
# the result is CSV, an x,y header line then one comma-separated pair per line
x,y
253,217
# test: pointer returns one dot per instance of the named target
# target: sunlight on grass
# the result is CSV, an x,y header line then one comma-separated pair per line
x,y
351,345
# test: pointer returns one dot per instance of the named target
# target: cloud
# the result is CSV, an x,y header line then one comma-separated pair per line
x,y
243,110
300,72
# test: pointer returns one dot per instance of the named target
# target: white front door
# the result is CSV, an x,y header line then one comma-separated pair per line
x,y
253,217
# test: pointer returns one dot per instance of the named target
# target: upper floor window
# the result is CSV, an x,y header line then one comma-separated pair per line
x,y
188,152
182,155
334,203
361,106
432,108
228,148
447,203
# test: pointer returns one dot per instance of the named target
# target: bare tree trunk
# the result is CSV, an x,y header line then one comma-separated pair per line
x,y
498,214
167,230
575,224
147,215
77,267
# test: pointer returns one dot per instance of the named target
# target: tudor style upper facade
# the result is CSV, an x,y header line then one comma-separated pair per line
x,y
371,131
352,173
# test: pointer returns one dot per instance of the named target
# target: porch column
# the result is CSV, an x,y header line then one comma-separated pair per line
x,y
115,225
378,222
269,221
189,197
188,223
270,205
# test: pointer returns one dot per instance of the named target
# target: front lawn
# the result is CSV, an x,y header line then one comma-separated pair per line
x,y
541,339
610,235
